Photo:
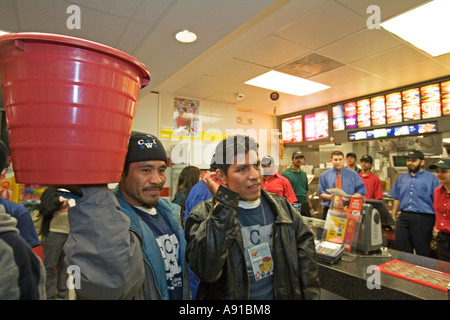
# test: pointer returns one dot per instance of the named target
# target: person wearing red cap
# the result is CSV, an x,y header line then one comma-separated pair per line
x,y
441,207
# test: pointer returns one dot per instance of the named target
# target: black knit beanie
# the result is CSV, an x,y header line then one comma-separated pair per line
x,y
144,147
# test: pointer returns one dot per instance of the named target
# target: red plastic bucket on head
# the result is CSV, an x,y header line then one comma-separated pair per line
x,y
69,106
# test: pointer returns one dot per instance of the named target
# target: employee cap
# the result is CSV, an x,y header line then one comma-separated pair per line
x,y
366,158
351,154
415,154
443,164
297,154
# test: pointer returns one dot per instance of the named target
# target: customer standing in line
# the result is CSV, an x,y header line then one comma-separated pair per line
x,y
441,207
129,243
188,177
246,243
413,194
273,182
299,182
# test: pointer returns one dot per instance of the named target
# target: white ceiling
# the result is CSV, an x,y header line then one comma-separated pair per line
x,y
240,39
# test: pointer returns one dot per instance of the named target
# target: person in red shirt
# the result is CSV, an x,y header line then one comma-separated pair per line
x,y
441,208
371,181
273,182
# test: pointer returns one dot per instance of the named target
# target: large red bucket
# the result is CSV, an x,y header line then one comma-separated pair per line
x,y
69,107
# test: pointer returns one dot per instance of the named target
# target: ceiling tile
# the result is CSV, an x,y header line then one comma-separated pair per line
x,y
323,25
388,8
422,71
116,7
309,66
392,59
238,71
444,59
340,76
95,25
361,45
9,16
272,52
367,86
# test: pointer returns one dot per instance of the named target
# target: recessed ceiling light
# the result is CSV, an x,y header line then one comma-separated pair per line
x,y
286,83
186,36
424,27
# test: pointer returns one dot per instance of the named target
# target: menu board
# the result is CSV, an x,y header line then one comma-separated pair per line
x,y
404,130
316,126
338,117
445,92
394,107
378,110
350,115
292,130
431,101
411,104
363,113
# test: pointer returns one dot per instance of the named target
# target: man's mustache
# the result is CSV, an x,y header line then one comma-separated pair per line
x,y
154,188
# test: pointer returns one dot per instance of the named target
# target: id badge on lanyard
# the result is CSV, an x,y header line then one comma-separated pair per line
x,y
261,260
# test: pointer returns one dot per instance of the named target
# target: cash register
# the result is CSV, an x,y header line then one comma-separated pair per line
x,y
374,215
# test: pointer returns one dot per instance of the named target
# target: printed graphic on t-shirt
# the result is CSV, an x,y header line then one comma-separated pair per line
x,y
168,244
258,243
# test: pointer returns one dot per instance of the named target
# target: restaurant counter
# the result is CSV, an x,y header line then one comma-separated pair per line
x,y
348,278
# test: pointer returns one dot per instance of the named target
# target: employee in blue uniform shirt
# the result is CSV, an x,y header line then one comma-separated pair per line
x,y
351,182
413,192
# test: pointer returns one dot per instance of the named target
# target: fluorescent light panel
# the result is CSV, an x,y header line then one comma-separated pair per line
x,y
426,27
286,83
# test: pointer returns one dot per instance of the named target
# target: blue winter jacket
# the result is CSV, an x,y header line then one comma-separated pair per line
x,y
150,248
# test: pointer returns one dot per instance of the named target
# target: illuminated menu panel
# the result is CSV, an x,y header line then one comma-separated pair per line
x,y
350,115
378,110
405,130
338,117
394,107
445,92
411,104
431,101
316,126
292,129
363,113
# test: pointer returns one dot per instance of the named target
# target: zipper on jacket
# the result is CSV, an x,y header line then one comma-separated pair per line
x,y
148,263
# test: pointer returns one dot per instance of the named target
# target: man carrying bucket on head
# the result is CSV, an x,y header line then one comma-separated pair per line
x,y
128,243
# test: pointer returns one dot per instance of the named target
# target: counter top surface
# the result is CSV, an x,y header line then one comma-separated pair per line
x,y
349,276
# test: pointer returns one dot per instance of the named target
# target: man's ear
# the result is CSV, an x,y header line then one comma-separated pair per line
x,y
221,177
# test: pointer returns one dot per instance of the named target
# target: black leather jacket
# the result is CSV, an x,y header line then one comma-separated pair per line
x,y
215,250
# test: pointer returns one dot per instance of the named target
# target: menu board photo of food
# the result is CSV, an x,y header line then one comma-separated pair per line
x,y
363,113
378,110
411,104
394,107
350,115
445,92
292,130
338,117
430,97
321,124
316,126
